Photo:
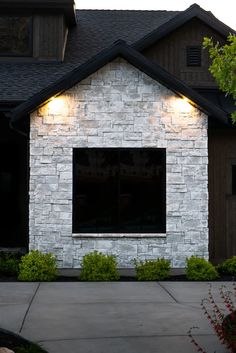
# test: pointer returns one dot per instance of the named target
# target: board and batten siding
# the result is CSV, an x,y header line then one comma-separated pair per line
x,y
119,106
49,37
170,53
222,198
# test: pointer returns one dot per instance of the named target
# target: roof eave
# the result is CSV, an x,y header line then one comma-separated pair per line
x,y
118,49
67,7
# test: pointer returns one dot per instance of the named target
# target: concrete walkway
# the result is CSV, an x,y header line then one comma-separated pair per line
x,y
111,317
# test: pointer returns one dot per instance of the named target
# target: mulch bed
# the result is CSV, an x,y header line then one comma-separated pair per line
x,y
183,278
174,278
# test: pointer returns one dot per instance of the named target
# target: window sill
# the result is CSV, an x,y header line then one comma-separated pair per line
x,y
117,235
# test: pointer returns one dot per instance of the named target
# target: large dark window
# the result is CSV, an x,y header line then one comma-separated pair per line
x,y
15,36
119,190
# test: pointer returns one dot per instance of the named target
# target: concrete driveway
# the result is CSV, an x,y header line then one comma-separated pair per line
x,y
109,317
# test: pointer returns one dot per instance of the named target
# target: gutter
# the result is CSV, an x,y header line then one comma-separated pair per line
x,y
8,116
19,131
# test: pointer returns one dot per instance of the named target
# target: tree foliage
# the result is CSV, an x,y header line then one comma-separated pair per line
x,y
223,66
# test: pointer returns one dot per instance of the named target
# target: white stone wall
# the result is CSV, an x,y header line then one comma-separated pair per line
x,y
118,106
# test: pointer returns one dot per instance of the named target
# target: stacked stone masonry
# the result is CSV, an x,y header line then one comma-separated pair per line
x,y
119,106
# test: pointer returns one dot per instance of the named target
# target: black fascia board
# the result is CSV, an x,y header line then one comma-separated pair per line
x,y
6,106
67,7
68,81
118,49
194,11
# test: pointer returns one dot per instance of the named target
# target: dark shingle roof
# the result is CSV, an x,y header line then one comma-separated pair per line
x,y
118,49
96,30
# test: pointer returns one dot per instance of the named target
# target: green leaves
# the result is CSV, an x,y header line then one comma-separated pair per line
x,y
36,266
228,267
9,264
152,270
199,269
223,67
99,267
33,348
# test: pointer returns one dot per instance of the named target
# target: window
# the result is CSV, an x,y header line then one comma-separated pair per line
x,y
119,190
193,55
15,36
233,179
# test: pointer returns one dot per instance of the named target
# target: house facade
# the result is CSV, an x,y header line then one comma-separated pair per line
x,y
109,143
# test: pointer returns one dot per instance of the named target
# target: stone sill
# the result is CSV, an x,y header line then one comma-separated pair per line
x,y
115,235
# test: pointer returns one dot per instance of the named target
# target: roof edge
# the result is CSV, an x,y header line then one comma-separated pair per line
x,y
66,6
193,11
117,49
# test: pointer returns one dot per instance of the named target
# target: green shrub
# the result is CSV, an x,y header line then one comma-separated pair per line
x,y
228,267
33,348
199,269
9,264
99,267
152,270
36,266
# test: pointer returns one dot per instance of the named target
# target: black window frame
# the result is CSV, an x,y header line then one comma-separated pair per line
x,y
29,52
193,56
160,228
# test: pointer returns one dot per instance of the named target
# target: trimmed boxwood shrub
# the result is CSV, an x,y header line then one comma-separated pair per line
x,y
199,269
228,267
99,267
36,266
152,270
9,263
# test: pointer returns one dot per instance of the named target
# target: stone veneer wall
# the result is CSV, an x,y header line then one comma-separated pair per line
x,y
118,106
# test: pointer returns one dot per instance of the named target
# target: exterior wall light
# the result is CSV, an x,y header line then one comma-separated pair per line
x,y
56,106
183,105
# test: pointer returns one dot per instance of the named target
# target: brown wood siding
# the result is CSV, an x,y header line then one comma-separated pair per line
x,y
64,35
222,204
49,37
170,53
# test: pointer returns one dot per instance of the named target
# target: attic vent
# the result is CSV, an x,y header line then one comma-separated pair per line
x,y
194,56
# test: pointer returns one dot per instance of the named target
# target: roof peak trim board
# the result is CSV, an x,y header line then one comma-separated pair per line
x,y
194,11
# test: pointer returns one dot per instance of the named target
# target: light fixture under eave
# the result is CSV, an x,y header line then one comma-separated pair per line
x,y
183,105
56,106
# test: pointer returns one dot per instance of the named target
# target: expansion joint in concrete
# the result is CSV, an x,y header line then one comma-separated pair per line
x,y
28,309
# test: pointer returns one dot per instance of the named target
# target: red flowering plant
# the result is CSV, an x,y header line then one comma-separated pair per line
x,y
223,321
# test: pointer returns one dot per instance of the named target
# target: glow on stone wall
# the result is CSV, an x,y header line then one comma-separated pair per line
x,y
183,105
57,106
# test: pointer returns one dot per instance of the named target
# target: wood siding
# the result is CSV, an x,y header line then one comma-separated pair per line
x,y
170,53
222,204
49,37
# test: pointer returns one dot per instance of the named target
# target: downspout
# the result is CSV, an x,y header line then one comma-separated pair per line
x,y
17,130
12,127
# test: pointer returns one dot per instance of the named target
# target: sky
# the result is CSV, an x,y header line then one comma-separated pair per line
x,y
224,10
